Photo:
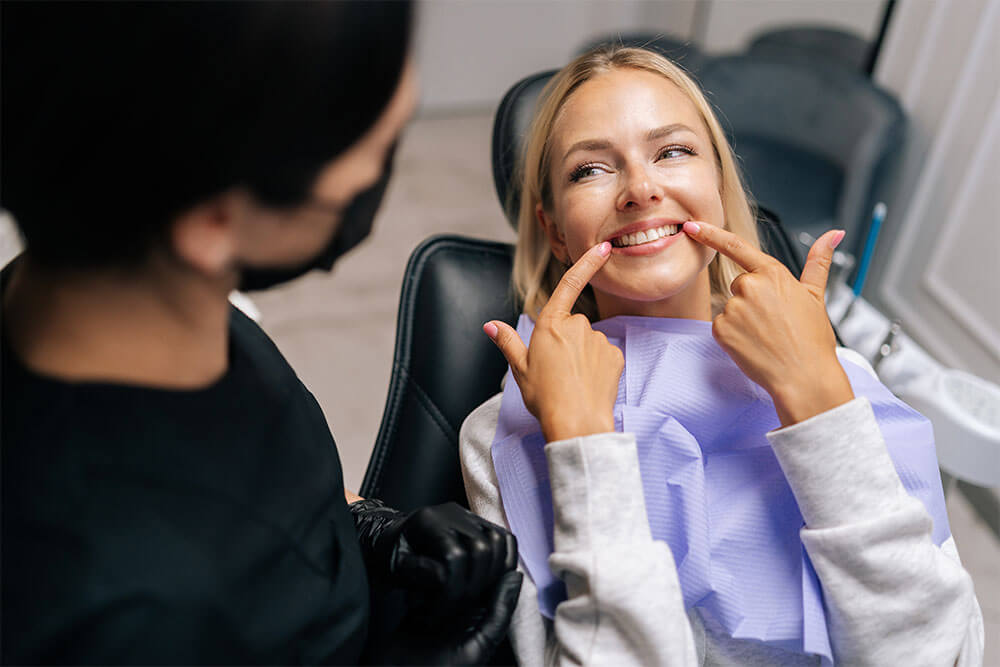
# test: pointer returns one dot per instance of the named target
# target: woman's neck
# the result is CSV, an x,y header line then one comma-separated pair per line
x,y
164,326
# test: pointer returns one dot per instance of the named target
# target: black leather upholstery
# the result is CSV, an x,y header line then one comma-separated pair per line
x,y
774,240
443,367
509,129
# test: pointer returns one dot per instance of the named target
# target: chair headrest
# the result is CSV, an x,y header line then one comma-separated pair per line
x,y
813,43
509,130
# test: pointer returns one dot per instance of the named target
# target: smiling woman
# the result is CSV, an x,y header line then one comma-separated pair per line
x,y
696,475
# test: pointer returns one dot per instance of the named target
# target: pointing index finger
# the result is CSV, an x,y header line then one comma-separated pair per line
x,y
727,243
576,278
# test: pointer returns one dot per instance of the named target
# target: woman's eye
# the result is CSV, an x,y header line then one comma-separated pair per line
x,y
675,152
585,170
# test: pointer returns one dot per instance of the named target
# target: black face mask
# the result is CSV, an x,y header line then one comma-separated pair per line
x,y
355,225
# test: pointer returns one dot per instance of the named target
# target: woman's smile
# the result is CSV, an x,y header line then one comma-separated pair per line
x,y
647,237
625,240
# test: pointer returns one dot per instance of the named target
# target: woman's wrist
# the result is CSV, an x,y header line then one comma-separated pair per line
x,y
799,399
564,427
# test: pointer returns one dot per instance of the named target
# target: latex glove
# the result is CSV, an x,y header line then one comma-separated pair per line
x,y
445,553
465,638
775,326
569,374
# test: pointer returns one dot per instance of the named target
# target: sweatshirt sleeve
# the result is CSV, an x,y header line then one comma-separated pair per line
x,y
892,596
624,603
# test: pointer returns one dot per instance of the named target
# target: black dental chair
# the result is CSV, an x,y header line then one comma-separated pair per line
x,y
444,366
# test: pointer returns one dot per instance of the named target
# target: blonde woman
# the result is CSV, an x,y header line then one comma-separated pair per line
x,y
730,498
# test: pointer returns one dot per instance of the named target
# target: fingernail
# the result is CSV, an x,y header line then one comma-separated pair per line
x,y
692,227
837,238
490,330
604,249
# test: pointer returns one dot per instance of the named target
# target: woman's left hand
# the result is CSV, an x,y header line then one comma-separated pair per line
x,y
775,327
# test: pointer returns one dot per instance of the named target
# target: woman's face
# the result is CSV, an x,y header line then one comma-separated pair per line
x,y
631,158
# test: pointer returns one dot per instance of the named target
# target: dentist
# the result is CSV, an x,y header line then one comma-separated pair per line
x,y
171,492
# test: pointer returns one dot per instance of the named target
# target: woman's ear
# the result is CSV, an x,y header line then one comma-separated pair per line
x,y
204,236
557,242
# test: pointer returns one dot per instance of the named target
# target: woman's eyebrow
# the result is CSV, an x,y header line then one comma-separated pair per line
x,y
667,130
588,145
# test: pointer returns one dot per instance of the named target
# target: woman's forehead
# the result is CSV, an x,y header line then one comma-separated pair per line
x,y
621,103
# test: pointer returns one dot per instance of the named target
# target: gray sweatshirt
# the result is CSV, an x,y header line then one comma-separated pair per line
x,y
892,596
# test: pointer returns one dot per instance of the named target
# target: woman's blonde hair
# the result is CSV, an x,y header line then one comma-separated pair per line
x,y
536,270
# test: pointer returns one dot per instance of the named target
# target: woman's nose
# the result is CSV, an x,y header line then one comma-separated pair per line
x,y
640,190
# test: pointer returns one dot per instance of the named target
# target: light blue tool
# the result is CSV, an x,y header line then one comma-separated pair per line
x,y
878,215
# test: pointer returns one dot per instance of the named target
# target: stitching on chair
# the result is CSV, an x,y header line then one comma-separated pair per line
x,y
372,482
432,409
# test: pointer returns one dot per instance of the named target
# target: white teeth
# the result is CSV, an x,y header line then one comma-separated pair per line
x,y
645,237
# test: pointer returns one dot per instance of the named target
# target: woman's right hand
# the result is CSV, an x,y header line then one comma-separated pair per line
x,y
569,374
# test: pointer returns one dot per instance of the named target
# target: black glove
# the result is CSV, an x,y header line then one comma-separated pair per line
x,y
446,552
456,569
467,638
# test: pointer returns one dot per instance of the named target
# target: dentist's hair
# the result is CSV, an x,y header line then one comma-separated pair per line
x,y
536,271
118,117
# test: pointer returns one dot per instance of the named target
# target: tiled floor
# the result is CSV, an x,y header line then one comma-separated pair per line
x,y
338,330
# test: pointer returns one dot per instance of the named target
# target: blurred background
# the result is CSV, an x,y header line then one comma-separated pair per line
x,y
881,117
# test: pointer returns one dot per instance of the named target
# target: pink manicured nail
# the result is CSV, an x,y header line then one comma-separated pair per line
x,y
837,238
692,227
490,330
604,249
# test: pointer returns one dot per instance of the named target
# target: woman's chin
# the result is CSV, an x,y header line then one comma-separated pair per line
x,y
678,294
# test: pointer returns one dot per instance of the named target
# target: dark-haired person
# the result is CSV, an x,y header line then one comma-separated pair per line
x,y
171,492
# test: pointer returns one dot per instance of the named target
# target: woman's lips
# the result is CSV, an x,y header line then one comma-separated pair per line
x,y
649,248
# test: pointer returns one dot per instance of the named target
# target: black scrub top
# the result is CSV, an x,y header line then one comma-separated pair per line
x,y
153,526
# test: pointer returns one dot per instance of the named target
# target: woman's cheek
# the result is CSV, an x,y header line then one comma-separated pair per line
x,y
580,227
695,187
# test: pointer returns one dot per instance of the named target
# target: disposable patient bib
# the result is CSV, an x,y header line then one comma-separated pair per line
x,y
713,488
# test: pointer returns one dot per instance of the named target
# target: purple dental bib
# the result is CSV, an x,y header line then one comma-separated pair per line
x,y
713,488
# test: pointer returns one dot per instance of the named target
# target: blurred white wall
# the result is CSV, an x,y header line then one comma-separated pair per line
x,y
471,52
